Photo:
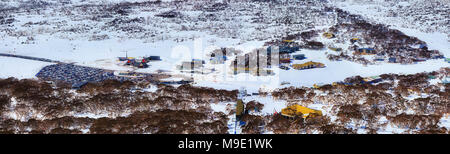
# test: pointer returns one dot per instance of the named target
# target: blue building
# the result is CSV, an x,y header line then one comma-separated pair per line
x,y
198,61
392,60
366,50
218,59
153,58
379,58
123,58
421,46
284,49
299,57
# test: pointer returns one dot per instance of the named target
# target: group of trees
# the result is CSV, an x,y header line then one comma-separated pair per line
x,y
365,104
33,106
289,93
321,124
266,19
387,42
158,122
415,121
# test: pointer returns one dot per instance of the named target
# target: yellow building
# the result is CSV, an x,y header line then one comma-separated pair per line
x,y
296,110
288,41
362,53
334,84
328,35
353,40
308,65
317,86
335,49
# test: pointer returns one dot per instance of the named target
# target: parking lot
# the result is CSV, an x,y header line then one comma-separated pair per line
x,y
76,75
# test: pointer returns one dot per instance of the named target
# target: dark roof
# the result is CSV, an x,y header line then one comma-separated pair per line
x,y
366,49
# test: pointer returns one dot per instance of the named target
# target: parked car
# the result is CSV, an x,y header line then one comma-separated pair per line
x,y
284,67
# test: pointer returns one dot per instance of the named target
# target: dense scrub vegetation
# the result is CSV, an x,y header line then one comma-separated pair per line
x,y
408,102
32,106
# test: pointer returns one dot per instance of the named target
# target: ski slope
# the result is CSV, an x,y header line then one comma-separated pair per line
x,y
20,68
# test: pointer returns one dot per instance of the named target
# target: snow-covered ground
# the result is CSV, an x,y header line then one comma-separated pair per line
x,y
79,49
196,44
424,16
103,54
20,68
434,31
333,72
